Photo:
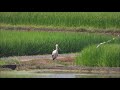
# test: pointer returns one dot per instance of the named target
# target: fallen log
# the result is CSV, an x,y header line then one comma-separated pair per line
x,y
13,67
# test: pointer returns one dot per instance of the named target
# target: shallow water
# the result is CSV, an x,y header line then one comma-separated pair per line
x,y
31,74
76,75
71,75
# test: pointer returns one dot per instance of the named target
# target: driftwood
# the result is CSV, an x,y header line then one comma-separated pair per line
x,y
13,67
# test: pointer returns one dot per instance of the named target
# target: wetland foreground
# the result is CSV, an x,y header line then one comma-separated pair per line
x,y
47,74
42,66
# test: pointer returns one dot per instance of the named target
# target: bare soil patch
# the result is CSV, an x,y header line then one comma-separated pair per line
x,y
63,64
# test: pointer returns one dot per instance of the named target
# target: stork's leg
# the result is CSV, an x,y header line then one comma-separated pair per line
x,y
55,63
53,57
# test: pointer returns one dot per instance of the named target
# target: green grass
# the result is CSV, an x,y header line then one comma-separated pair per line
x,y
18,74
8,62
72,20
32,43
107,55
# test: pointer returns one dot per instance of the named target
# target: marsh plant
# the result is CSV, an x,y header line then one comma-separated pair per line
x,y
17,43
107,55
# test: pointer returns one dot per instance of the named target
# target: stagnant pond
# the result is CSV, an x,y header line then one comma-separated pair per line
x,y
34,74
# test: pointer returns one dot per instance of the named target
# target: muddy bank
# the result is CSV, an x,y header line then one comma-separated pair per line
x,y
65,63
40,57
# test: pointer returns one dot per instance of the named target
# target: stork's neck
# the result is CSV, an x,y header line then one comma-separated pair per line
x,y
56,47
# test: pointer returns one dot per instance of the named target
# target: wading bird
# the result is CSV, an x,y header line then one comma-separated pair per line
x,y
55,52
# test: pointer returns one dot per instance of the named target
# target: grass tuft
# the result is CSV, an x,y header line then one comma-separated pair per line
x,y
107,55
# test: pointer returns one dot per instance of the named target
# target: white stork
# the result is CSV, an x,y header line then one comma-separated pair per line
x,y
55,52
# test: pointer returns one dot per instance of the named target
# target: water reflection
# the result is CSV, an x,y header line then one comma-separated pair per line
x,y
36,74
73,75
98,76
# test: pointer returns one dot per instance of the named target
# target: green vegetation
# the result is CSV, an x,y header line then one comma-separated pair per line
x,y
31,43
107,55
17,43
8,62
72,20
18,74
